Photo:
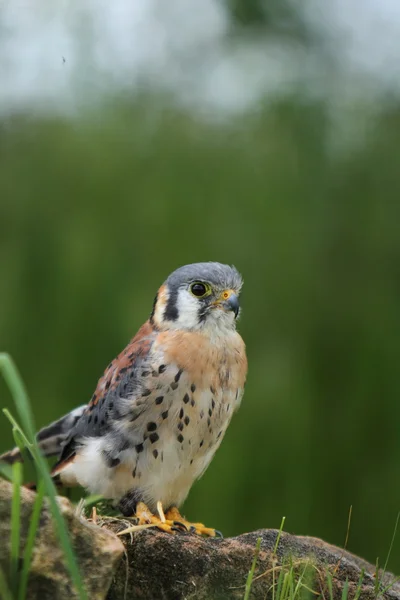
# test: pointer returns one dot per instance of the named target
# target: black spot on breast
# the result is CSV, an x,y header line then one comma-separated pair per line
x,y
111,462
174,385
212,389
180,426
145,373
187,420
181,413
210,412
139,448
154,437
151,426
213,403
193,387
201,414
180,438
191,462
159,399
164,414
186,398
162,368
178,375
155,453
201,443
146,393
209,421
192,402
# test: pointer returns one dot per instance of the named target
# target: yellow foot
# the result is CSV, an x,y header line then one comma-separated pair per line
x,y
172,522
175,516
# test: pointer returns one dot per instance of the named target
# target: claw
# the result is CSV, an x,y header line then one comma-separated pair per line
x,y
172,522
196,528
180,525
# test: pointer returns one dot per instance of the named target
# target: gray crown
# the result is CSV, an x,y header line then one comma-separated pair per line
x,y
218,275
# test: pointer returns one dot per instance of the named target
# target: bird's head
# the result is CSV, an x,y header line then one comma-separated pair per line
x,y
200,296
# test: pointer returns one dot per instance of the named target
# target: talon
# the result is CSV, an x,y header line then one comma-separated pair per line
x,y
219,534
179,530
181,525
174,515
171,522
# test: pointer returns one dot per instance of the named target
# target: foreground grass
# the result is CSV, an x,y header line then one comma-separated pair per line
x,y
25,438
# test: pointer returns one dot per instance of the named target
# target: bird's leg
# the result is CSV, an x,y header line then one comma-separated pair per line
x,y
173,515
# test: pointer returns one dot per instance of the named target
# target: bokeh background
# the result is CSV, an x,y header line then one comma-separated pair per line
x,y
135,139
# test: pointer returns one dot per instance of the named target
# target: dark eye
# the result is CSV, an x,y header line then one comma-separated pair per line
x,y
199,289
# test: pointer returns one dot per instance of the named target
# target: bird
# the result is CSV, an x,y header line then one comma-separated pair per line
x,y
161,408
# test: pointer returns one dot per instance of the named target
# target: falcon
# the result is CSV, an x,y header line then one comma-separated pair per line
x,y
162,406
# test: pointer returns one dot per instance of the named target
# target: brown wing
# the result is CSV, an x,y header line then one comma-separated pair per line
x,y
120,381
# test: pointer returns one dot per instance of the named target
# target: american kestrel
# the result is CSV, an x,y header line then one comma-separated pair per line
x,y
162,407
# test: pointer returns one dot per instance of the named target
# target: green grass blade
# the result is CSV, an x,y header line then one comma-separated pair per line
x,y
20,397
279,534
359,585
16,427
330,586
60,524
252,570
391,543
285,586
33,527
345,590
5,592
15,526
279,585
377,582
18,393
386,589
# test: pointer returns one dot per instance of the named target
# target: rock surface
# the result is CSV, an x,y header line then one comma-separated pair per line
x,y
155,566
188,567
98,550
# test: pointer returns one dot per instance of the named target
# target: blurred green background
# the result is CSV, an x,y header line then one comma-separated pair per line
x,y
99,205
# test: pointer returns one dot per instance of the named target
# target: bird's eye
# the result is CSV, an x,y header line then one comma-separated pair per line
x,y
199,289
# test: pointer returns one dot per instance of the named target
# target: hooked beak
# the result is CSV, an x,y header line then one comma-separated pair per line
x,y
229,301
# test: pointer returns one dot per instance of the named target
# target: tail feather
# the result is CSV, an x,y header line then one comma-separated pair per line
x,y
52,438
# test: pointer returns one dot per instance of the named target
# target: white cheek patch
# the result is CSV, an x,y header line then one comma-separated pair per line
x,y
188,310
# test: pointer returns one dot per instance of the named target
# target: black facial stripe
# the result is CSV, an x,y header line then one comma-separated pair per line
x,y
171,309
153,309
